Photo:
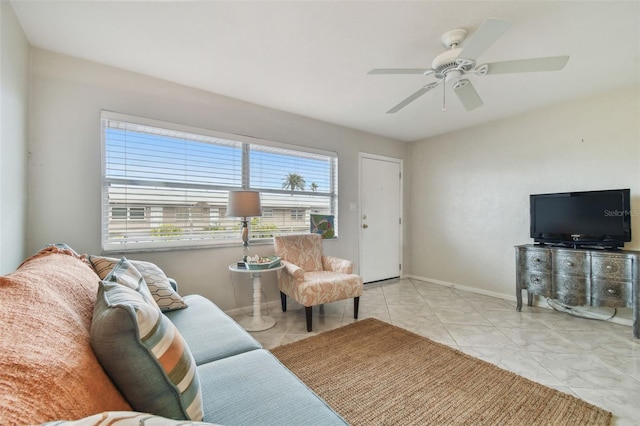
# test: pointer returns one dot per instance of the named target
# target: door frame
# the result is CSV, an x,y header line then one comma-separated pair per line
x,y
399,161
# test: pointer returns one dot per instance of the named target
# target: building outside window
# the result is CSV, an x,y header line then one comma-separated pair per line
x,y
166,185
128,213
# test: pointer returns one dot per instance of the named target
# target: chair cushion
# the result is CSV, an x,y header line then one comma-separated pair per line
x,y
323,287
303,250
157,282
144,354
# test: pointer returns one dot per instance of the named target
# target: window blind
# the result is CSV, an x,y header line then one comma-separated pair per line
x,y
166,186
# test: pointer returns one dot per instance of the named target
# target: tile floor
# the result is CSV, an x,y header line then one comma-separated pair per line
x,y
597,361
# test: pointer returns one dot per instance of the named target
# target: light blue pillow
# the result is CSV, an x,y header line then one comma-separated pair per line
x,y
143,353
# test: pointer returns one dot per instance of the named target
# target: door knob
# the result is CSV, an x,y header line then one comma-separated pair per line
x,y
365,226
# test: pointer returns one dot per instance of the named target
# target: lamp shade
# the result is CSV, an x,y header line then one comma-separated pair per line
x,y
244,204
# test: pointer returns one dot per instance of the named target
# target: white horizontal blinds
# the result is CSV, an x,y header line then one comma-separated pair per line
x,y
294,184
166,188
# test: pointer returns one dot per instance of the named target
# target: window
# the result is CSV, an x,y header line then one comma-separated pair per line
x,y
297,214
119,213
136,213
166,185
124,213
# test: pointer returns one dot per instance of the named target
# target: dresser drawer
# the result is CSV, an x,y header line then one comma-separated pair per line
x,y
611,293
538,283
565,285
571,299
571,263
611,268
571,284
536,260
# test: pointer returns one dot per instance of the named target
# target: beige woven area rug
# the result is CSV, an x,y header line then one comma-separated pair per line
x,y
374,373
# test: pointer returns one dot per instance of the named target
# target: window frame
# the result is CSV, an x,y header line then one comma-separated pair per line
x,y
246,142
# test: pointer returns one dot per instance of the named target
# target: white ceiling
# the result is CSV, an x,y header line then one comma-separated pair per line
x,y
312,58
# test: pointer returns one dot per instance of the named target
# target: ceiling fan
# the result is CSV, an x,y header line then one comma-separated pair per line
x,y
454,65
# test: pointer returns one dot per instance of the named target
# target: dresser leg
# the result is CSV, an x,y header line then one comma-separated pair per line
x,y
529,299
519,299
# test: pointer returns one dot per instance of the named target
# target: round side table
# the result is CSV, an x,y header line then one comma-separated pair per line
x,y
257,322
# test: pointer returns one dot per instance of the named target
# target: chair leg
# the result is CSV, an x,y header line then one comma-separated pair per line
x,y
283,300
356,303
307,311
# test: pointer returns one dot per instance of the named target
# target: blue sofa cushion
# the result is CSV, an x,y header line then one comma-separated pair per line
x,y
210,333
254,388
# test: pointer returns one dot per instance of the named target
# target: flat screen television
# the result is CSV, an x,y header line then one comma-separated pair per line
x,y
600,219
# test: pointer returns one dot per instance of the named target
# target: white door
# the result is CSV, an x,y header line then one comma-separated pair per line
x,y
380,217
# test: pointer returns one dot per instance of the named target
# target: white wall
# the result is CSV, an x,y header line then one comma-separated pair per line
x,y
469,189
14,80
67,96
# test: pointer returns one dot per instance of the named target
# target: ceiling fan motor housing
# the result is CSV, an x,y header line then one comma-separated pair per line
x,y
449,60
453,38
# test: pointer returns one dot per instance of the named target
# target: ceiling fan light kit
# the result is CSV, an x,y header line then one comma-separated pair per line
x,y
455,63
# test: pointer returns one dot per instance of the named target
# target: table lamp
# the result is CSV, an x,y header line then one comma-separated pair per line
x,y
244,204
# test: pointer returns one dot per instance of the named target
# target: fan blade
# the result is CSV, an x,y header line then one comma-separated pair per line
x,y
412,98
423,71
467,94
552,63
487,34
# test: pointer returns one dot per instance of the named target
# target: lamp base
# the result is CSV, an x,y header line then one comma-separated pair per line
x,y
257,323
245,233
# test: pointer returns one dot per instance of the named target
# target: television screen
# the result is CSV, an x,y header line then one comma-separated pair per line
x,y
598,218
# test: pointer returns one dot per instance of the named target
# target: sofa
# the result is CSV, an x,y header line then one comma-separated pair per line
x,y
96,340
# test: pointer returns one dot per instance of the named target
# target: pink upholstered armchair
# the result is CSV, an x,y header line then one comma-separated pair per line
x,y
313,279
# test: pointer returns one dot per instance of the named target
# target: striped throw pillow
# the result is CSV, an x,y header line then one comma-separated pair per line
x,y
157,282
144,354
125,418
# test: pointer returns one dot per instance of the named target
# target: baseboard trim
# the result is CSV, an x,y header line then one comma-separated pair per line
x,y
463,287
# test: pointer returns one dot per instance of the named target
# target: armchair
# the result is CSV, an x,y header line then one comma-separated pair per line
x,y
311,278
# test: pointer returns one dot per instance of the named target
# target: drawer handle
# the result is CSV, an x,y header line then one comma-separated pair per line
x,y
569,264
611,291
536,279
536,260
609,267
